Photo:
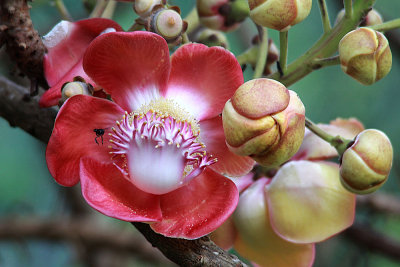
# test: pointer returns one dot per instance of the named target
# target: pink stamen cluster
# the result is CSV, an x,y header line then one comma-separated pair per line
x,y
160,131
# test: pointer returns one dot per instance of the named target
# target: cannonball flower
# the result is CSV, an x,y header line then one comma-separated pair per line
x,y
150,155
66,43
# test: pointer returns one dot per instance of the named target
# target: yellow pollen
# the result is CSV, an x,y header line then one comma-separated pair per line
x,y
169,108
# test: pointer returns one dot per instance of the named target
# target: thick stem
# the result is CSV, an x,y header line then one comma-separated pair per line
x,y
98,9
283,46
324,15
386,26
262,52
324,62
348,7
108,11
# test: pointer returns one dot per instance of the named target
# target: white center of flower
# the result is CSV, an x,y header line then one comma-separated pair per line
x,y
158,148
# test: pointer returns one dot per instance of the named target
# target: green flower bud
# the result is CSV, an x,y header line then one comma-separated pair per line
x,y
265,121
366,164
212,38
365,55
279,14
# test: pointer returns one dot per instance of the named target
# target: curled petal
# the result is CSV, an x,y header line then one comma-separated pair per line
x,y
307,202
108,191
230,164
73,136
132,67
257,241
198,208
203,79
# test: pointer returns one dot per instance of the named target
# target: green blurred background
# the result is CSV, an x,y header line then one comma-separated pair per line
x,y
27,189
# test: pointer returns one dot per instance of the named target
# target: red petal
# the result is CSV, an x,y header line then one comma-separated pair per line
x,y
230,164
133,67
73,136
106,190
198,208
203,79
53,95
69,50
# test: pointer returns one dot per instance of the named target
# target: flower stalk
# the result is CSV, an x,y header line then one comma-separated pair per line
x,y
62,9
262,52
386,26
326,24
283,45
338,142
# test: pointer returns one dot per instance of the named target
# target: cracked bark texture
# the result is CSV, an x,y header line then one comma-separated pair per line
x,y
22,41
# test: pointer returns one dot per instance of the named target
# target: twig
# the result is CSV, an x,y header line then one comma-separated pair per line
x,y
84,231
373,240
24,45
326,24
381,202
262,52
22,111
199,252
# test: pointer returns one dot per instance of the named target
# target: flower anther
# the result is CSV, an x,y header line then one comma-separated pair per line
x,y
159,132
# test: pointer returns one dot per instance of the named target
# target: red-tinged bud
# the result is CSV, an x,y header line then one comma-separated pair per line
x,y
265,121
372,18
366,164
365,55
223,15
279,14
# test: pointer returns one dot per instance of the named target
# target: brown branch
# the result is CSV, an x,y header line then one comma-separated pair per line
x,y
199,252
80,231
23,42
381,202
373,240
22,111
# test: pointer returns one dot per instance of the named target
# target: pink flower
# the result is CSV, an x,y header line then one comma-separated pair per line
x,y
66,43
150,154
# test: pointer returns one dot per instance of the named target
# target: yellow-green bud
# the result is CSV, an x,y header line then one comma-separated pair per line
x,y
279,14
144,7
212,38
365,55
372,18
265,121
366,164
71,89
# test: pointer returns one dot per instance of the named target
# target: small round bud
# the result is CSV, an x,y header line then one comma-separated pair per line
x,y
372,18
144,7
168,23
223,15
279,14
365,55
71,89
366,164
212,38
265,121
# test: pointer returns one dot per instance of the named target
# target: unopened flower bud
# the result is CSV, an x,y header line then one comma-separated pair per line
x,y
168,23
144,7
77,87
365,55
366,164
223,15
372,18
265,121
279,14
212,38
